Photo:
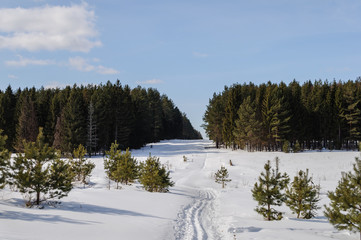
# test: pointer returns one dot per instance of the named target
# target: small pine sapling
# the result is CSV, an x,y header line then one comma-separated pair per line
x,y
80,166
121,167
126,170
40,171
110,162
4,160
344,211
221,176
153,176
297,147
286,147
303,196
268,192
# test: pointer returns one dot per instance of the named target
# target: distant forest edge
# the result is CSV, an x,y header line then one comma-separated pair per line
x,y
273,117
94,116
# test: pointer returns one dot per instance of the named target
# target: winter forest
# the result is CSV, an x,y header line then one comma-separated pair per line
x,y
111,154
93,116
272,117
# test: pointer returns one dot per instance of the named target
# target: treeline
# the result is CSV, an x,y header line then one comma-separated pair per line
x,y
94,116
272,117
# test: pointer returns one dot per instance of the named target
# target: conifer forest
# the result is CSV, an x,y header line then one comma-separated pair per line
x,y
273,117
94,116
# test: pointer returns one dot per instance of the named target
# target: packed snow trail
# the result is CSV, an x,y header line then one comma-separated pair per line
x,y
197,220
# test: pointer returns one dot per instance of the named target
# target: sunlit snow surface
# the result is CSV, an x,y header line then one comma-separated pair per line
x,y
195,208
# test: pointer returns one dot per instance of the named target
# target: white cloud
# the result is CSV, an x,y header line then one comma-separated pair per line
x,y
83,65
150,82
48,28
12,76
23,62
80,64
200,55
55,84
104,70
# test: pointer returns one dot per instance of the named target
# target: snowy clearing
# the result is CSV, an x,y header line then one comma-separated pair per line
x,y
195,208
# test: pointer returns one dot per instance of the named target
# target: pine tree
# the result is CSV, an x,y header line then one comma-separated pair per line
x,y
126,170
81,168
58,142
344,211
4,160
268,192
92,130
230,117
155,108
40,171
297,147
286,146
153,176
247,130
111,160
352,113
27,128
213,119
121,167
302,196
221,176
74,121
7,113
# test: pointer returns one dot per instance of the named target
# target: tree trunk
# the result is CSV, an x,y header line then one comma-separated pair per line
x,y
37,198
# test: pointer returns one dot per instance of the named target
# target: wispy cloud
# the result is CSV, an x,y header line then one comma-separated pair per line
x,y
82,64
200,55
48,28
23,62
55,84
104,70
12,76
150,82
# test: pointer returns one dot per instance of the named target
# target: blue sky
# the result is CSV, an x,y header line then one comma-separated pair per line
x,y
186,49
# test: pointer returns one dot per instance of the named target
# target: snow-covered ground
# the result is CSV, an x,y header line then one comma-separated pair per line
x,y
195,208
